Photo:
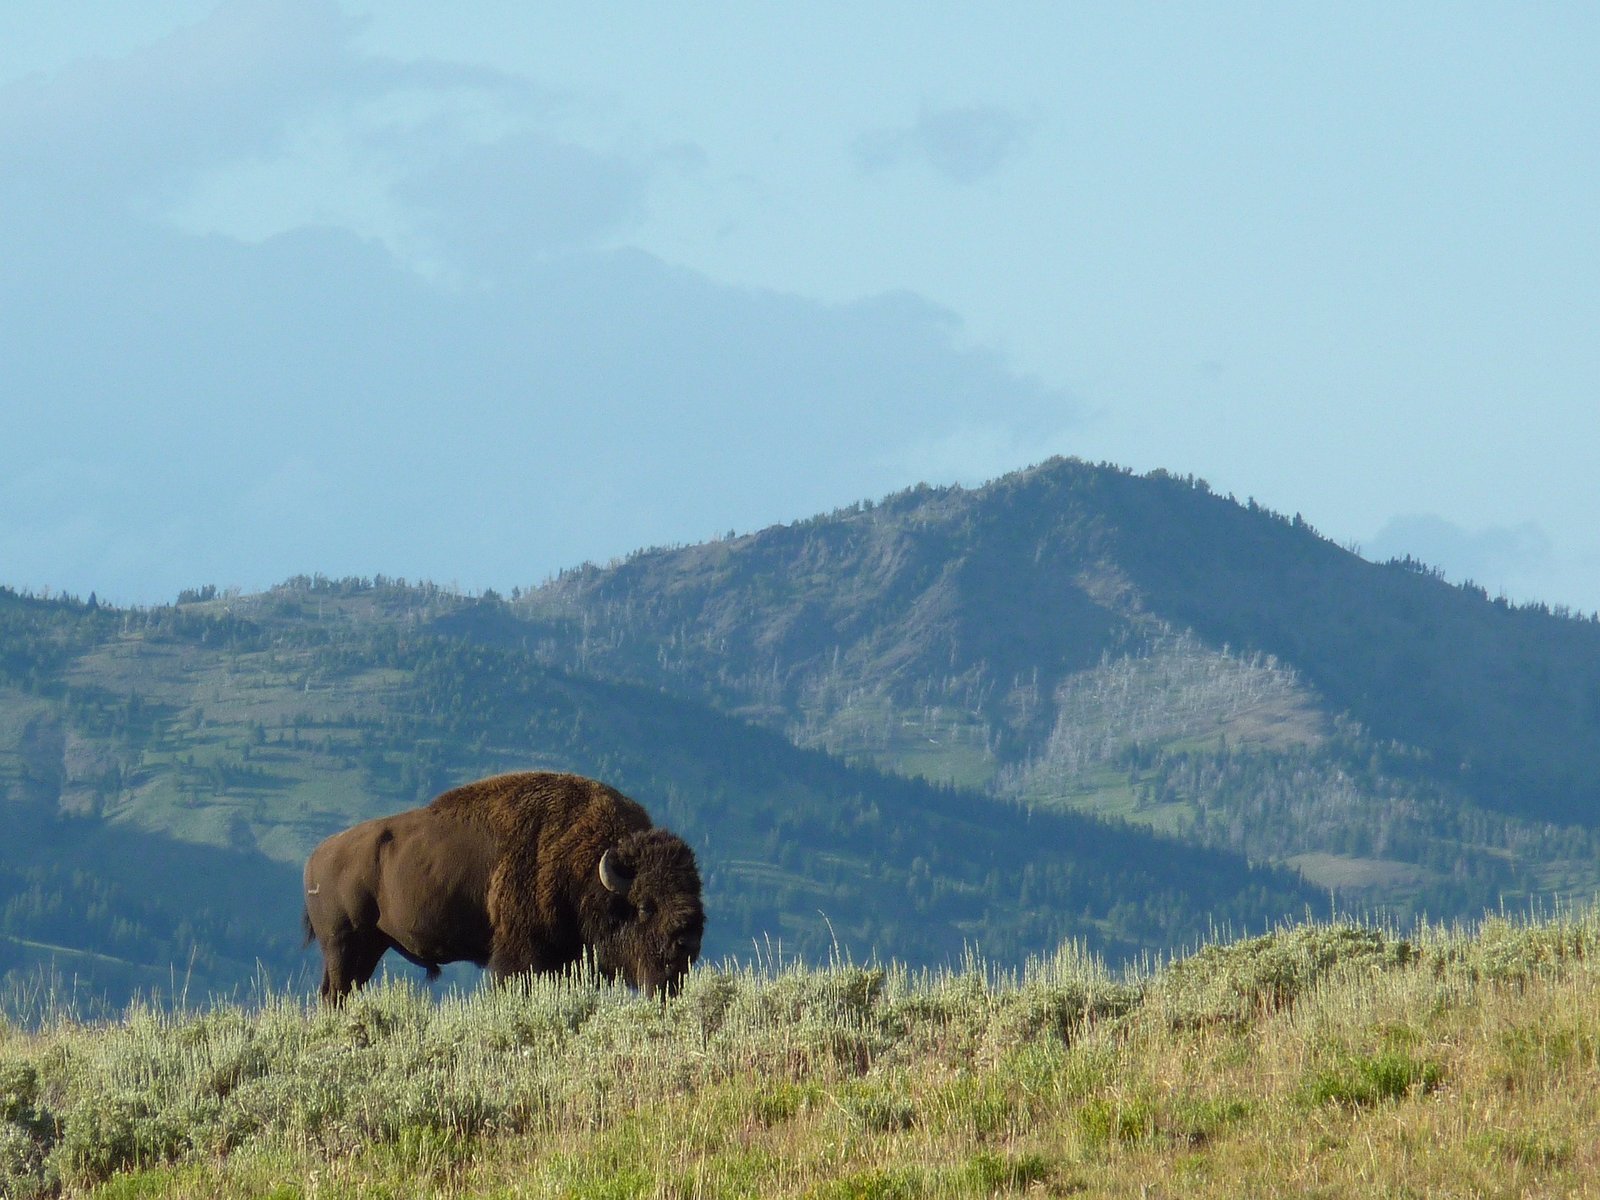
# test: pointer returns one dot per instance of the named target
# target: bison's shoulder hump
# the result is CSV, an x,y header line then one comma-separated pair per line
x,y
527,800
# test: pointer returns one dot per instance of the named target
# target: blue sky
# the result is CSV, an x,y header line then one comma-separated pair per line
x,y
475,292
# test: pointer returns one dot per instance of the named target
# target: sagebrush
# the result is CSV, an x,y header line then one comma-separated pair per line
x,y
1330,1059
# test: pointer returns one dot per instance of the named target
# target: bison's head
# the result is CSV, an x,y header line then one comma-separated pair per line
x,y
652,924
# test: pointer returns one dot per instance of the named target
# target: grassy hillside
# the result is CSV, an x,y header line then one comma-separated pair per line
x,y
1319,1060
174,766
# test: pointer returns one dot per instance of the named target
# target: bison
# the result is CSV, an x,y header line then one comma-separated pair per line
x,y
519,873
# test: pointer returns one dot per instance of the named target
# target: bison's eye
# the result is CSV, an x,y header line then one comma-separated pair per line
x,y
646,910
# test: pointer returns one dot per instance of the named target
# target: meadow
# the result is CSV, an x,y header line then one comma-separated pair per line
x,y
1323,1059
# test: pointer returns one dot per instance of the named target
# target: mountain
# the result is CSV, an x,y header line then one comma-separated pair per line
x,y
163,773
1079,636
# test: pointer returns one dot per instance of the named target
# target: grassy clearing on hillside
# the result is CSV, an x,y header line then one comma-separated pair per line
x,y
1319,1060
942,743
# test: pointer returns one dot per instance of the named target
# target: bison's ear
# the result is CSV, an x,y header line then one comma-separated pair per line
x,y
613,875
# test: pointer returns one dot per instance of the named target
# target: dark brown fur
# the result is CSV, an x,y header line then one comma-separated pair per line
x,y
504,873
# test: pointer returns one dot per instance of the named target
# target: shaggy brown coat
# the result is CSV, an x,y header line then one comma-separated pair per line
x,y
507,873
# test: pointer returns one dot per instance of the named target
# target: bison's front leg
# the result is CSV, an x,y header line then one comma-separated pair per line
x,y
506,962
348,961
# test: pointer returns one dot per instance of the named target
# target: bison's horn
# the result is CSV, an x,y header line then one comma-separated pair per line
x,y
613,876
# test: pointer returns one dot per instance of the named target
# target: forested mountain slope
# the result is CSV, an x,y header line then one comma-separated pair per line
x,y
1079,635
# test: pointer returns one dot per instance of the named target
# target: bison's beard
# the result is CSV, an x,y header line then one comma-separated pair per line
x,y
628,956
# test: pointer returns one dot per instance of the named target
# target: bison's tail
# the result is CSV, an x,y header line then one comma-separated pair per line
x,y
305,924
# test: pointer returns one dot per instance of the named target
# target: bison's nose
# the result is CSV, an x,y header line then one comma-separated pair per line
x,y
672,984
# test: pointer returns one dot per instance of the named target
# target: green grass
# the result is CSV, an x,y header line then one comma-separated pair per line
x,y
1321,1059
1347,871
939,744
1355,1079
284,733
1109,792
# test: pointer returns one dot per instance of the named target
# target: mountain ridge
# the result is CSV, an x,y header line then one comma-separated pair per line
x,y
1163,548
257,736
1065,567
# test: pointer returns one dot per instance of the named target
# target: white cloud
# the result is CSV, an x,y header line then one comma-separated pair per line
x,y
492,207
973,454
222,87
963,144
266,117
1513,559
237,409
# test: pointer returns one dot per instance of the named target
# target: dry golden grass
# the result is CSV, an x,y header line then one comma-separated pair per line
x,y
1322,1060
